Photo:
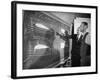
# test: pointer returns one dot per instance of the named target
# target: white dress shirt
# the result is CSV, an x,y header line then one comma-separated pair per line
x,y
87,39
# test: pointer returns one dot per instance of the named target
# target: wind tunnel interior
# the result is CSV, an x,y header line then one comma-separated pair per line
x,y
42,48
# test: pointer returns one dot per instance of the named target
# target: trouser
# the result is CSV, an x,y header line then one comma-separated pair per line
x,y
75,60
86,61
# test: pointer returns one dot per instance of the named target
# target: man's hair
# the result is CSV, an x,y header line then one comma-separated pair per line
x,y
85,23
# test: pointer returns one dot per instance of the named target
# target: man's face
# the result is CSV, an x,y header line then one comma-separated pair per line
x,y
83,27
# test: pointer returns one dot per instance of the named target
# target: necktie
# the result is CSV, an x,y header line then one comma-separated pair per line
x,y
81,37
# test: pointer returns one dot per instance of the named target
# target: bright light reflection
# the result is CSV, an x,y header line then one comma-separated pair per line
x,y
62,30
62,45
41,26
40,46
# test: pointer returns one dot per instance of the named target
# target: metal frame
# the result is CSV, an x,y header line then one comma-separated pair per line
x,y
14,38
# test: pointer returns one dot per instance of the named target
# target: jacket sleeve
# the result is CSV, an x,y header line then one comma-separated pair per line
x,y
88,39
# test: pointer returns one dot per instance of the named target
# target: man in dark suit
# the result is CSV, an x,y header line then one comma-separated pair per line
x,y
76,43
75,53
81,46
85,49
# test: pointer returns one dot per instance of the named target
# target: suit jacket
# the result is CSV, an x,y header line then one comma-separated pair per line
x,y
85,48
